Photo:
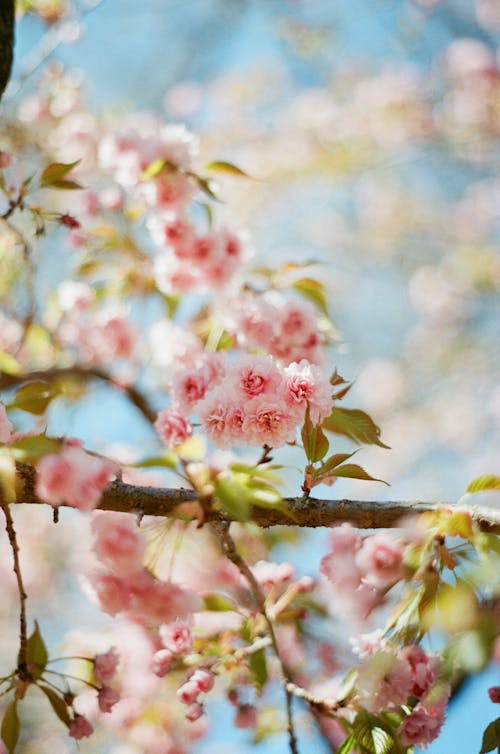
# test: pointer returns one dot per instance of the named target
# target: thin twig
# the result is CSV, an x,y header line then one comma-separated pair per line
x,y
22,668
221,528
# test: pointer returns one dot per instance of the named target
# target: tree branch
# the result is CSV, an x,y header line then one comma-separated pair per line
x,y
22,668
84,373
221,529
309,513
7,13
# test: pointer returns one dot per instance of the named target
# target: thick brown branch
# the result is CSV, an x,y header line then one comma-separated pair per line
x,y
311,513
82,373
7,8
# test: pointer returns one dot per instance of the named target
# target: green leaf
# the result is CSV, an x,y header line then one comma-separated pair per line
x,y
206,185
32,448
355,424
347,745
233,496
314,291
57,172
353,471
168,460
220,166
486,482
10,727
153,169
34,397
66,185
7,476
334,461
491,737
258,668
36,653
8,364
370,735
315,442
218,603
57,703
347,685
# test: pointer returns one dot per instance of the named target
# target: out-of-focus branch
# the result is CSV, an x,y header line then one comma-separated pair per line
x,y
85,374
7,13
221,529
307,513
22,668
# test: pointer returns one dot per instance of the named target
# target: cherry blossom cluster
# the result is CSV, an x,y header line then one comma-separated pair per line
x,y
274,324
123,585
361,570
249,402
391,679
73,477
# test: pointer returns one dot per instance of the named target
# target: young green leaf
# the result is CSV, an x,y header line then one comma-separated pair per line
x,y
54,175
10,727
34,397
32,448
353,471
355,424
218,603
36,654
370,735
491,737
486,482
220,166
347,745
258,668
315,442
314,291
57,703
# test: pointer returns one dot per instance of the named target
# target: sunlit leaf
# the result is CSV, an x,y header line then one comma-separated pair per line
x,y
34,397
315,442
9,364
218,603
347,745
54,175
33,447
314,291
486,482
355,424
353,471
7,476
153,169
168,460
347,685
370,735
220,166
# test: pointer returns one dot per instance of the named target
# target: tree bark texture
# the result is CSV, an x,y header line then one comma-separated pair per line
x,y
7,14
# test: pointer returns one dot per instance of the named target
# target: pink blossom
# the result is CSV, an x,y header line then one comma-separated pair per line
x,y
73,477
268,422
305,383
254,375
158,601
384,682
176,637
194,712
245,717
107,698
80,727
380,560
172,427
111,591
188,388
204,679
117,542
221,418
160,665
271,574
422,668
494,694
188,692
5,425
421,726
105,666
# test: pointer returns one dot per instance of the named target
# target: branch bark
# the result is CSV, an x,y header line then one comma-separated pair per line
x,y
309,512
7,14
